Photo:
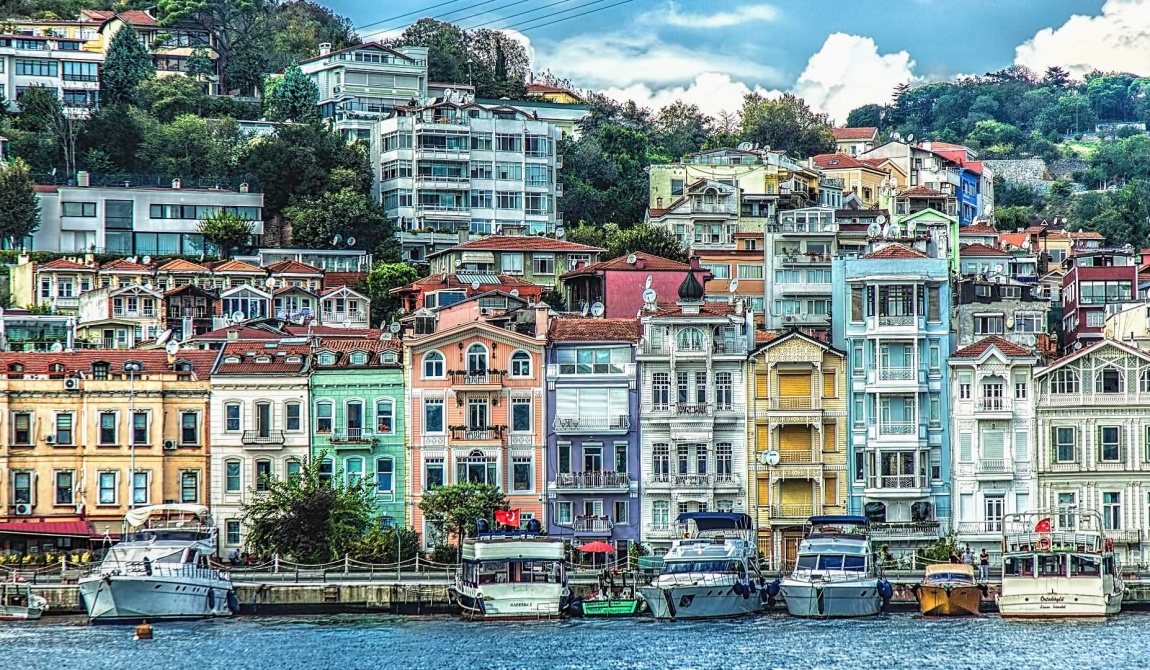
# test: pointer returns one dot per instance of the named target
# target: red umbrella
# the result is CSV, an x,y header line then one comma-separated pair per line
x,y
597,547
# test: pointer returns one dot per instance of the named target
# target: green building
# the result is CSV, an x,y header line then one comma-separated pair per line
x,y
357,399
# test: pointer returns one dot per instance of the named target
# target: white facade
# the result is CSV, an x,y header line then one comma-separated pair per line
x,y
56,63
140,220
992,440
342,307
693,453
260,423
799,249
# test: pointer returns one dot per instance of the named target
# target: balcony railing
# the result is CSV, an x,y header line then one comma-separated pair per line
x,y
477,378
898,427
264,437
1129,536
592,480
342,317
351,436
785,403
794,511
134,313
692,408
993,404
897,374
915,529
579,424
737,345
799,456
694,480
980,527
993,466
895,321
477,434
592,524
908,482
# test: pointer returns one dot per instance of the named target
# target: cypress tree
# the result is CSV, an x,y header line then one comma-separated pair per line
x,y
127,64
293,98
19,206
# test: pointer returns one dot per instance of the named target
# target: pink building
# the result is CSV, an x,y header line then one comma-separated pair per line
x,y
619,283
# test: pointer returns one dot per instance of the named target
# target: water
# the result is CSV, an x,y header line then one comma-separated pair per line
x,y
762,643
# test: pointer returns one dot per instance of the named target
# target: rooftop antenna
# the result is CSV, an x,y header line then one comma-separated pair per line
x,y
597,310
394,327
172,347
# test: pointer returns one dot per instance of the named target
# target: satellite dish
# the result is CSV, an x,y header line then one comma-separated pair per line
x,y
458,262
475,285
514,293
164,336
148,285
770,458
647,284
649,295
734,285
237,316
586,309
910,137
172,348
57,348
880,219
336,240
147,260
351,241
394,327
597,310
745,146
631,258
559,232
270,282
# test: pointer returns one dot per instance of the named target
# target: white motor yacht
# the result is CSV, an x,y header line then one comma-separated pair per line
x,y
18,602
837,572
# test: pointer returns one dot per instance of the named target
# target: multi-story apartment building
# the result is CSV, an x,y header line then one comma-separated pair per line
x,y
476,408
366,82
797,385
992,425
56,285
443,290
142,220
260,423
92,434
894,323
799,248
539,260
947,169
59,64
692,386
999,306
1093,440
592,431
357,404
1098,280
454,164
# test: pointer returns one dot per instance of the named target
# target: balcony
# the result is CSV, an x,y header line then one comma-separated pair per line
x,y
343,317
796,403
807,259
1132,536
477,378
1093,399
896,485
468,434
592,525
614,370
800,456
994,405
66,303
134,314
592,424
792,511
898,428
660,531
805,289
693,481
980,527
601,482
351,436
264,438
990,469
907,530
732,347
728,412
691,409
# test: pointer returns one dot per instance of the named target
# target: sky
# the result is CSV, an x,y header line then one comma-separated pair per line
x,y
837,54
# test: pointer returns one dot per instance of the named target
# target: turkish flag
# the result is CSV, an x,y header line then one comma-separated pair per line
x,y
507,517
1042,526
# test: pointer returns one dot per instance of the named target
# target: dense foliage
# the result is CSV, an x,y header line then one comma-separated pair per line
x,y
453,510
19,206
491,61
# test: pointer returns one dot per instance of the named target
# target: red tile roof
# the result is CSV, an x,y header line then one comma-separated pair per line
x,y
977,229
181,265
344,348
56,528
577,329
649,263
80,360
293,267
978,249
922,191
331,279
1086,235
46,188
873,162
250,352
135,17
1013,239
896,251
860,133
65,264
839,162
236,266
124,265
518,242
764,336
1004,345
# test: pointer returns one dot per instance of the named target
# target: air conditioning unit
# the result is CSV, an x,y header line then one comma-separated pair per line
x,y
49,439
788,319
72,384
23,509
169,445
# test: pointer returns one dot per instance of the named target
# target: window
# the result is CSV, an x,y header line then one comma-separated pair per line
x,y
543,264
263,474
1021,386
189,428
64,432
384,417
988,324
992,398
1029,322
432,473
724,391
353,471
384,475
511,263
84,209
36,68
107,428
509,200
521,415
189,486
292,415
232,532
1095,319
965,379
324,417
65,481
106,482
232,417
140,428
933,298
478,415
1066,501
1064,445
1109,380
433,415
661,514
520,364
661,390
1111,510
476,359
293,470
522,472
1109,444
592,360
140,481
1064,381
718,270
433,365
750,271
477,468
232,477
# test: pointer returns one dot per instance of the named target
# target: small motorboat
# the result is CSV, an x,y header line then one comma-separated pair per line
x,y
613,598
18,603
949,589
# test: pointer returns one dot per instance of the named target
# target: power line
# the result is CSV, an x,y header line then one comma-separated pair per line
x,y
521,28
400,16
530,11
493,9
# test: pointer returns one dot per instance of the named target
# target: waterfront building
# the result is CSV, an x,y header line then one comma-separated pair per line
x,y
592,432
55,285
855,141
619,283
797,387
330,261
1098,281
995,296
92,434
121,317
446,289
894,324
949,170
992,423
259,426
1092,440
357,402
59,64
692,385
476,407
189,311
539,260
344,307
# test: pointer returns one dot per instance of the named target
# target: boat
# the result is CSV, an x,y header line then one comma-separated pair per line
x,y
836,573
613,598
512,575
159,570
1058,564
711,572
17,602
949,589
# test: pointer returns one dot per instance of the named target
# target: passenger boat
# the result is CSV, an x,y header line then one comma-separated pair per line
x,y
837,573
159,570
949,589
1058,564
613,598
18,603
512,575
711,573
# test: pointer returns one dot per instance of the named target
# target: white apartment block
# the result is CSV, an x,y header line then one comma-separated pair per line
x,y
992,429
58,64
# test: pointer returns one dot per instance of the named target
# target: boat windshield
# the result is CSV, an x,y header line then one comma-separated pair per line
x,y
1019,566
513,572
940,577
832,562
1085,566
682,567
1055,565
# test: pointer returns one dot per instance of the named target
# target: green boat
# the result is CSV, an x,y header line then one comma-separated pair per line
x,y
610,607
615,597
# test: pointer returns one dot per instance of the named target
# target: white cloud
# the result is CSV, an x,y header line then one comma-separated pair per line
x,y
849,72
712,92
1116,39
733,17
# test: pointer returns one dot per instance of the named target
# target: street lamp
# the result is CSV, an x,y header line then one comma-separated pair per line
x,y
132,367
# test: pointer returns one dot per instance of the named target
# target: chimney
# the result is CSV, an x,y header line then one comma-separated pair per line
x,y
233,335
324,48
83,179
464,233
542,320
176,183
244,187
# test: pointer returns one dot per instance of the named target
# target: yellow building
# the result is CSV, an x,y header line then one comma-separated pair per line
x,y
797,434
555,94
77,423
85,28
859,177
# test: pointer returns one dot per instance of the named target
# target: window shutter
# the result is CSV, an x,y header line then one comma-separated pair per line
x,y
993,444
1053,444
964,448
1021,446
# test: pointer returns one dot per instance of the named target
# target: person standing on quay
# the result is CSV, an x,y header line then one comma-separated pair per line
x,y
984,565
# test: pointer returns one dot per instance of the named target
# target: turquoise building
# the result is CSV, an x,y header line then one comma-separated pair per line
x,y
357,401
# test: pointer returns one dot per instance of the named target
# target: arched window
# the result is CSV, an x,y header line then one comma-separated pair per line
x,y
477,468
384,417
1144,381
1064,381
432,365
521,364
1109,380
476,359
690,339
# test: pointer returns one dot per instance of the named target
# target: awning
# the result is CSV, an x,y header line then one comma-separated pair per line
x,y
478,257
57,528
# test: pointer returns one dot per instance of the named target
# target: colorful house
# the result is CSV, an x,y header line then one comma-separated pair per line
x,y
619,283
592,431
539,260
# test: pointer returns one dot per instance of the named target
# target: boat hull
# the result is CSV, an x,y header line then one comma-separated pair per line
x,y
20,613
699,602
832,599
509,602
134,598
611,608
944,600
1055,606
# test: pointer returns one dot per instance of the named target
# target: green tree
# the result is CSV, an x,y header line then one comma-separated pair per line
x,y
311,517
380,546
168,97
298,27
227,231
1056,77
127,65
499,65
384,277
43,109
1010,219
200,67
995,137
867,116
237,29
19,206
1110,96
1071,114
1061,189
347,213
785,123
293,97
447,51
620,241
118,132
191,146
453,510
680,129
